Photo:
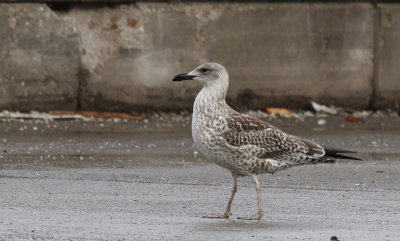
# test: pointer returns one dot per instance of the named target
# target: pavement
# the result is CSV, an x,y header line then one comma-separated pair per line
x,y
144,180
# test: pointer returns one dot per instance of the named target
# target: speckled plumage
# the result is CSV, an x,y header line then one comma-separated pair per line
x,y
240,143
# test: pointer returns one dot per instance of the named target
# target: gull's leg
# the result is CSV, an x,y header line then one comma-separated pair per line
x,y
228,209
260,213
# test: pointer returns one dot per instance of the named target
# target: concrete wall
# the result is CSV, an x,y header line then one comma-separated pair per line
x,y
387,83
39,59
123,57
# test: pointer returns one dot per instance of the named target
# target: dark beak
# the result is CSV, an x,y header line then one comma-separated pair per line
x,y
181,77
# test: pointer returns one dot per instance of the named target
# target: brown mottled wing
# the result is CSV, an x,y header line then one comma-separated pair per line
x,y
247,130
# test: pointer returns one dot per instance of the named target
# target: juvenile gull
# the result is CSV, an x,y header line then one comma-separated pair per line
x,y
240,143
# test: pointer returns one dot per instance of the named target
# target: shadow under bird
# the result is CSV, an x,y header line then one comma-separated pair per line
x,y
244,145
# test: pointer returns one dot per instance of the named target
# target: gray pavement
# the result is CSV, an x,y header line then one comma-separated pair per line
x,y
143,180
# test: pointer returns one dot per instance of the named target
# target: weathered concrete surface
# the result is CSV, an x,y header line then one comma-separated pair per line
x,y
388,57
276,54
102,180
122,57
39,59
131,52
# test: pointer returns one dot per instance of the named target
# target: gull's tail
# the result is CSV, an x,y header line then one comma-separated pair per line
x,y
337,154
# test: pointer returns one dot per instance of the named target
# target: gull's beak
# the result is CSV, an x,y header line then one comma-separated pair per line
x,y
184,76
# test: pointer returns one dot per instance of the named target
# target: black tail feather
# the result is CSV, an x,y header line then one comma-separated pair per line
x,y
335,153
331,150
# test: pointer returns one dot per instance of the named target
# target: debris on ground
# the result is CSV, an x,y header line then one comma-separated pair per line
x,y
301,116
37,115
67,115
101,115
184,117
279,111
352,118
321,122
332,110
362,114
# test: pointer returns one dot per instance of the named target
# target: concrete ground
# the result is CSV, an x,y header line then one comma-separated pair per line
x,y
143,180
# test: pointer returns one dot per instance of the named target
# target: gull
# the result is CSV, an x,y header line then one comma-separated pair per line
x,y
244,145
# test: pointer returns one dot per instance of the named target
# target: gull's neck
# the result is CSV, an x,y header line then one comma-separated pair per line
x,y
211,98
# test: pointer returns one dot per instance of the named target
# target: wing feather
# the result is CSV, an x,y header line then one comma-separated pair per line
x,y
246,130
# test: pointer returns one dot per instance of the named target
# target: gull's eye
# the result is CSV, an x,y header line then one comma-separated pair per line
x,y
204,70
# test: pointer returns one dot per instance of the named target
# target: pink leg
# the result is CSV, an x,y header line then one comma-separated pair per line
x,y
228,209
260,213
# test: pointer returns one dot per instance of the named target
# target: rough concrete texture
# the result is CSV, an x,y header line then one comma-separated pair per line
x,y
276,54
122,57
131,52
388,56
142,180
39,60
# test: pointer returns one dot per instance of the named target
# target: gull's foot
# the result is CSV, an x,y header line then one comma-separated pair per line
x,y
225,216
254,217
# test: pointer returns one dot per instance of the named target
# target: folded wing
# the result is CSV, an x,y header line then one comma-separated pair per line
x,y
246,130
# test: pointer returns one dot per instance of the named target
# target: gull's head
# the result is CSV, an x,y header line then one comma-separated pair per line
x,y
208,74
